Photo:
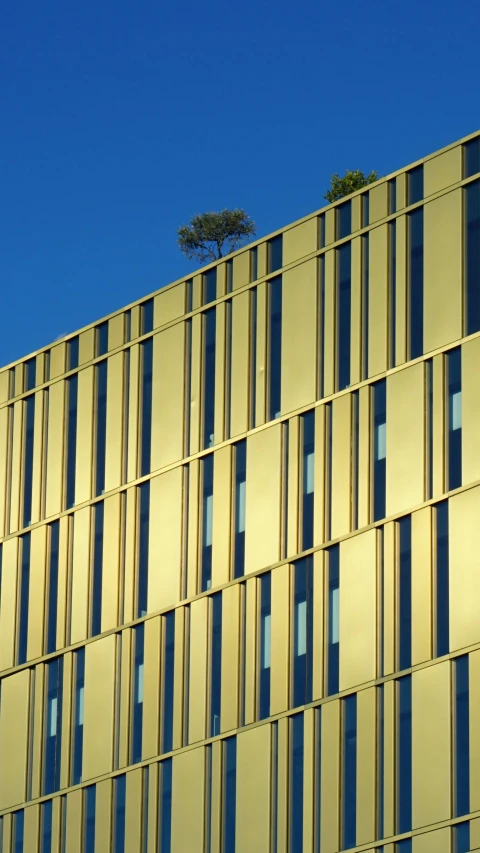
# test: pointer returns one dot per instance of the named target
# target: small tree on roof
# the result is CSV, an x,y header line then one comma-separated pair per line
x,y
351,181
210,236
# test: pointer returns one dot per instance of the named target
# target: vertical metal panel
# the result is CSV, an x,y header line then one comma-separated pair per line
x,y
330,221
251,627
341,490
330,778
474,734
116,331
294,486
358,609
282,782
58,360
280,634
431,751
230,657
74,819
133,413
188,798
220,384
36,592
169,304
329,336
80,586
197,288
151,687
356,213
470,411
464,512
241,269
165,540
216,801
401,289
86,346
4,385
9,602
197,676
261,355
152,795
366,765
111,561
378,208
7,832
84,448
56,822
103,816
389,749
14,731
240,363
475,833
100,661
125,697
115,429
168,396
442,171
135,322
356,309
438,461
253,790
432,842
308,779
377,299
38,457
443,250
364,457
55,440
130,554
67,700
318,623
401,181
263,501
299,335
300,240
222,516
196,383
4,463
389,598
193,526
319,477
405,439
133,811
262,259
37,734
421,585
18,372
16,469
179,679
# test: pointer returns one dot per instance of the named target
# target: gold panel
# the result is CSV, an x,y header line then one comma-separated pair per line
x,y
358,609
133,811
299,241
84,447
421,585
196,383
341,490
401,288
220,351
38,477
197,288
100,659
222,516
37,732
329,337
230,657
405,439
318,623
130,554
389,597
263,500
4,386
221,279
55,437
282,804
378,299
125,697
241,269
9,603
4,463
356,213
431,751
16,469
261,259
438,417
432,842
168,396
111,561
364,457
470,411
193,526
36,592
40,377
464,512
319,477
295,486
19,371
168,305
474,734
389,749
240,374
103,816
366,764
378,203
251,628
442,171
116,331
356,312
179,679
330,222
197,676
134,322
261,355
165,540
133,413
14,726
151,689
74,822
188,798
216,801
115,429
31,828
80,584
67,696
308,779
299,335
58,360
475,833
280,640
330,778
401,181
86,346
253,790
152,804
443,250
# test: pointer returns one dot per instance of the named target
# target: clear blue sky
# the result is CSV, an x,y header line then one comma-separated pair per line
x,y
120,120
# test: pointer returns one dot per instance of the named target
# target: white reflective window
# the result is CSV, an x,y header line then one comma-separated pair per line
x,y
80,703
241,493
266,626
52,717
456,410
208,526
139,696
334,616
380,441
301,628
309,473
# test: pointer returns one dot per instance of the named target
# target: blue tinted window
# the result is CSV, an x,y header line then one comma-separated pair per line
x,y
379,448
52,601
229,276
209,378
53,725
30,374
344,219
143,538
462,737
216,664
128,326
28,460
207,521
392,196
275,253
46,827
72,394
471,157
415,237
101,426
24,590
89,834
18,831
296,784
344,291
454,364
275,347
461,834
101,339
97,569
321,231
72,353
405,590
308,478
349,771
365,210
165,821
146,427
146,317
137,727
168,680
333,619
442,585
210,285
230,811
253,264
240,506
404,755
265,645
303,633
78,716
404,846
472,256
415,185
120,792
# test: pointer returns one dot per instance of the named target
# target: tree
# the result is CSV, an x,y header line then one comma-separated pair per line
x,y
210,236
352,181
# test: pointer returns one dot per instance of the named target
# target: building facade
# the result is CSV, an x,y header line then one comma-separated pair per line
x,y
240,590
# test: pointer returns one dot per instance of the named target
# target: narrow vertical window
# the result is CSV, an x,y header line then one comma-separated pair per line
x,y
379,448
275,253
454,367
137,716
472,257
349,775
442,579
89,827
274,347
168,680
365,210
210,324
253,264
471,157
23,595
18,821
120,792
78,716
229,275
46,366
415,185
30,374
146,317
392,196
392,298
461,837
72,394
216,664
72,353
97,569
462,738
344,219
405,592
333,663
240,507
146,424
230,782
404,754
303,633
165,816
29,413
321,231
296,783
101,339
101,425
308,478
265,645
210,285
344,296
188,295
415,277
207,521
365,303
53,726
46,827
143,539
404,846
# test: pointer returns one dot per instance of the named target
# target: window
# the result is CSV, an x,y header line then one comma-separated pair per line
x,y
146,317
29,412
143,493
296,783
415,185
274,253
72,394
404,846
274,347
392,196
462,737
308,478
344,296
349,771
146,424
405,592
365,210
333,662
207,521
209,378
471,157
23,594
46,827
461,837
188,295
30,374
98,512
404,754
442,584
101,425
344,219
454,367
229,275
210,285
73,352
379,448
321,231
53,726
472,257
165,810
101,339
392,300
18,821
168,622
78,716
253,263
230,782
137,716
415,264
240,507
120,792
89,817
303,633
216,664
128,326
46,367
265,646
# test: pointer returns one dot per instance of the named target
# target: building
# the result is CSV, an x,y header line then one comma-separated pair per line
x,y
240,590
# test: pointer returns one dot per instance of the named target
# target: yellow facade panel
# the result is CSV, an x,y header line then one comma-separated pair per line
x,y
36,592
320,467
431,751
9,603
31,827
133,811
432,842
280,634
474,734
14,737
378,203
198,669
58,356
300,241
358,609
220,354
84,448
169,305
125,697
464,512
366,764
165,540
263,500
195,412
222,516
230,657
253,790
389,597
103,815
330,778
168,396
133,413
442,171
86,346
341,491
295,478
364,452
405,439
4,386
330,225
251,631
179,679
4,463
438,427
329,326
38,473
318,623
470,411
241,269
377,299
115,428
16,473
73,816
260,367
130,556
422,585
151,687
112,548
401,288
356,313
100,661
193,537
475,834
240,364
443,250
80,583
188,800
38,701
389,747
116,331
299,335
55,443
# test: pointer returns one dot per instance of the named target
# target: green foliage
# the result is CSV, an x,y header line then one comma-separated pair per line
x,y
352,181
210,236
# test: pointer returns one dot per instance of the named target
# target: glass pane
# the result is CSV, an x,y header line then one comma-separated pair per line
x,y
472,157
415,185
344,219
210,285
102,339
274,253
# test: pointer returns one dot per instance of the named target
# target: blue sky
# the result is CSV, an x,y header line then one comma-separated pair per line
x,y
121,120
